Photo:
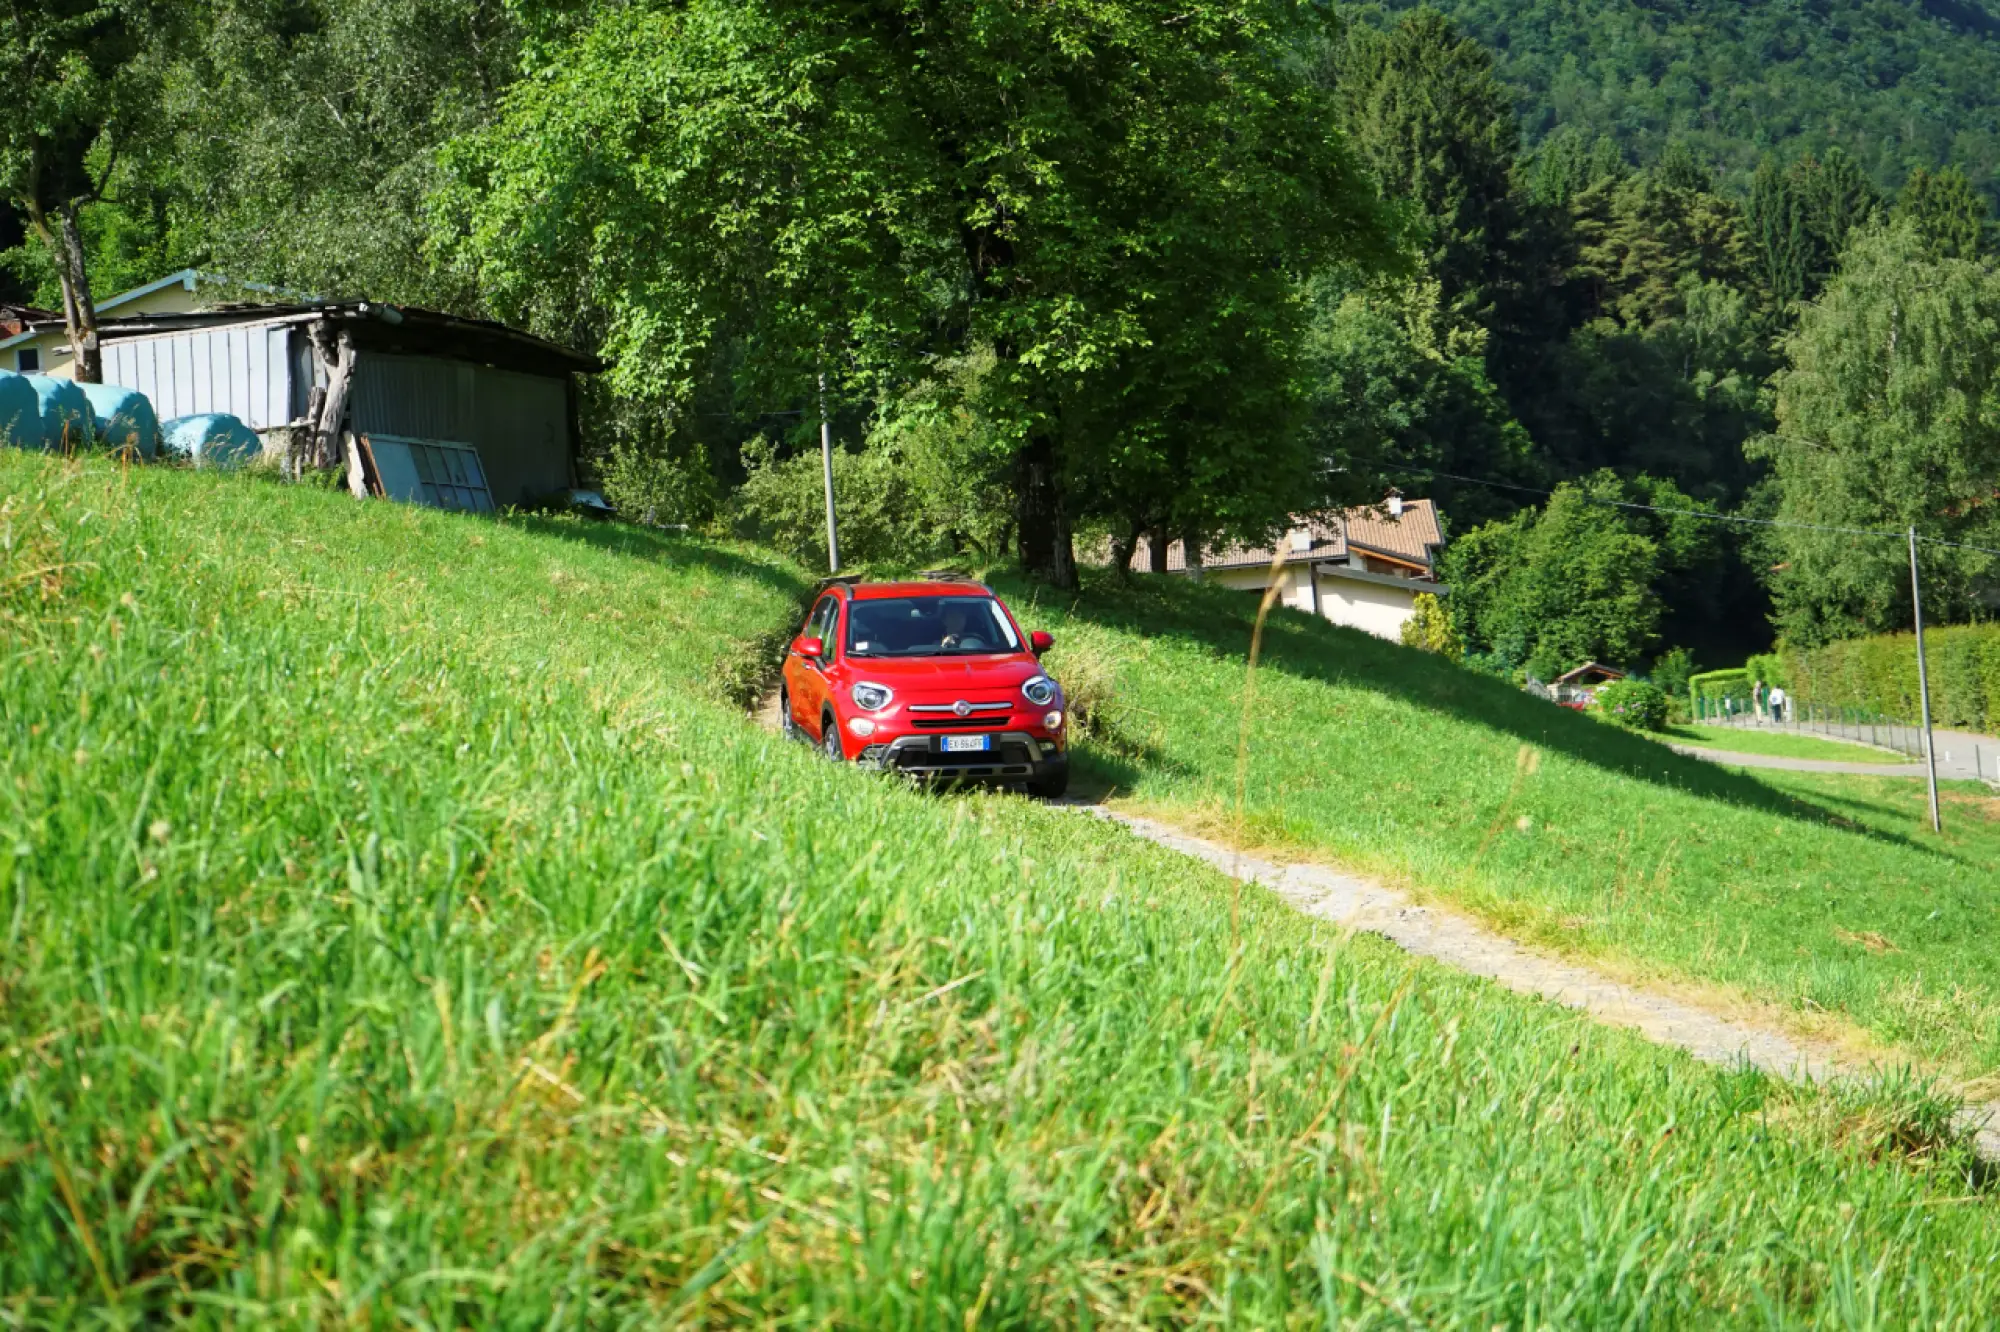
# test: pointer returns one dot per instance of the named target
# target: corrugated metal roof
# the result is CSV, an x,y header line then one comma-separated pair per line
x,y
431,332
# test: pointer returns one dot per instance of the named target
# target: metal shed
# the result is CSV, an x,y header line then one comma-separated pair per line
x,y
419,380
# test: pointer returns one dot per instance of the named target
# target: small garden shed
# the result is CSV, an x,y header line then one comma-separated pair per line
x,y
419,405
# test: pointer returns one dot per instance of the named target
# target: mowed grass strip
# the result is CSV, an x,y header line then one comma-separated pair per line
x,y
398,931
1780,744
1825,896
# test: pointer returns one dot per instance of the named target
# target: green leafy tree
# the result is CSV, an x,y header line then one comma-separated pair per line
x,y
1400,388
306,141
1888,417
1080,190
1582,579
84,81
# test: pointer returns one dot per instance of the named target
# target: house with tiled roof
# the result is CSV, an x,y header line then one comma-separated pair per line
x,y
1363,567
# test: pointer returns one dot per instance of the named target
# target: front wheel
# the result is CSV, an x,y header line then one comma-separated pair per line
x,y
1051,785
829,739
786,726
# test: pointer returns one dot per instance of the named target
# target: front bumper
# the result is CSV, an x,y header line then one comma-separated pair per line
x,y
1016,756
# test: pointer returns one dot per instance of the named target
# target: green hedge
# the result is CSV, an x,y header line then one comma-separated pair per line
x,y
1714,686
1880,675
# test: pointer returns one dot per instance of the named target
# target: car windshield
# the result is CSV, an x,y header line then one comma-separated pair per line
x,y
928,627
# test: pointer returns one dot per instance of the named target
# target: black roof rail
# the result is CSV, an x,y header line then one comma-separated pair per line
x,y
946,576
847,580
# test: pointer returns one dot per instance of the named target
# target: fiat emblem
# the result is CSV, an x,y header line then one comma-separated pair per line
x,y
962,708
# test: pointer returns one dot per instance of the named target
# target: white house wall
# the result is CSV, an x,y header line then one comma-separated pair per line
x,y
1370,607
1374,608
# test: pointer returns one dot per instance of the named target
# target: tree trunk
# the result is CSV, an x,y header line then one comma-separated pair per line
x,y
1046,552
1156,549
1122,550
1191,551
65,242
336,351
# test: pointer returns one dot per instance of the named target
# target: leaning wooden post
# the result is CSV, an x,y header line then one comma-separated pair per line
x,y
336,353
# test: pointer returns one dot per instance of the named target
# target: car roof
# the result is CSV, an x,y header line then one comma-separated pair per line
x,y
924,588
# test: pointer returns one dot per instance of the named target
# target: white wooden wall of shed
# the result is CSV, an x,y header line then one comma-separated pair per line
x,y
519,423
246,371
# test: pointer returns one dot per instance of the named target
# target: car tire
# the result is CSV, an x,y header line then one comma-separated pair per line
x,y
829,739
786,726
1050,785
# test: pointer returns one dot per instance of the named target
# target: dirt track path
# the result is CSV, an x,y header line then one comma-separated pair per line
x,y
1457,942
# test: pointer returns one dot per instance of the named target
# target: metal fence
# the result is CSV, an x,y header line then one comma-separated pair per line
x,y
1869,728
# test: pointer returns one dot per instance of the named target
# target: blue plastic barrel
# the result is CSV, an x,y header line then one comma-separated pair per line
x,y
20,412
66,420
124,418
217,440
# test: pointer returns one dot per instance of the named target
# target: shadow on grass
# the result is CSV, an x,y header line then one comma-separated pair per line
x,y
646,543
1219,620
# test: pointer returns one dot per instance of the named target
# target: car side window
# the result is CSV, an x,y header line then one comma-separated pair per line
x,y
820,626
826,629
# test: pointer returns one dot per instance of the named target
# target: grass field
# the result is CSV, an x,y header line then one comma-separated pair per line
x,y
401,927
1828,898
1778,744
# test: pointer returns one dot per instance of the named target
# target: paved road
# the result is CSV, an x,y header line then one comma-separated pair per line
x,y
1806,765
1957,753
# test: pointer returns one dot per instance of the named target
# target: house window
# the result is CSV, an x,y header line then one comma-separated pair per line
x,y
28,360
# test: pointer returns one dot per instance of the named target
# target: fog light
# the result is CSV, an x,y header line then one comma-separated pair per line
x,y
860,727
1053,721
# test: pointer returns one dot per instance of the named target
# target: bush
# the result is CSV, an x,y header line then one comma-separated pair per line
x,y
1633,703
1672,671
1429,628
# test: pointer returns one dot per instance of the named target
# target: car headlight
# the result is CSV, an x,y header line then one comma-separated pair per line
x,y
1052,721
1040,691
871,696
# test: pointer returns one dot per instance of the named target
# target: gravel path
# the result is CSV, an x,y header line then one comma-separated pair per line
x,y
1457,942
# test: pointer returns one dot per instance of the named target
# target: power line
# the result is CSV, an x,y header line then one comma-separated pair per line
x,y
1713,517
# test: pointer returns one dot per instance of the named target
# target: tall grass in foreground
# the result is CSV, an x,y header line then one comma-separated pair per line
x,y
394,930
1825,896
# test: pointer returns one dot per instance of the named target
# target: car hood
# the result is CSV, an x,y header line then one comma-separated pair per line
x,y
946,673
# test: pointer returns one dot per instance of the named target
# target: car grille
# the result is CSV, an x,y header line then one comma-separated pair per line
x,y
944,717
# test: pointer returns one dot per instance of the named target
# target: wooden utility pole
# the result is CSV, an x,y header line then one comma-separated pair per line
x,y
1924,680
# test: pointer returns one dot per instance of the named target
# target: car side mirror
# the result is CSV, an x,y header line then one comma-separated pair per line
x,y
1041,641
808,646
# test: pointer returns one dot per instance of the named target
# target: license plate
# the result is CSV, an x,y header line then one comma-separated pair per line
x,y
966,744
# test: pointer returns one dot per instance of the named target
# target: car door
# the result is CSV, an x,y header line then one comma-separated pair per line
x,y
805,678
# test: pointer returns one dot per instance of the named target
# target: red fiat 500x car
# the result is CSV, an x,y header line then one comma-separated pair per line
x,y
933,679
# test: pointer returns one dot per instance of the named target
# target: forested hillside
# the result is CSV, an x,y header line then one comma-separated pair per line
x,y
1060,276
1896,83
